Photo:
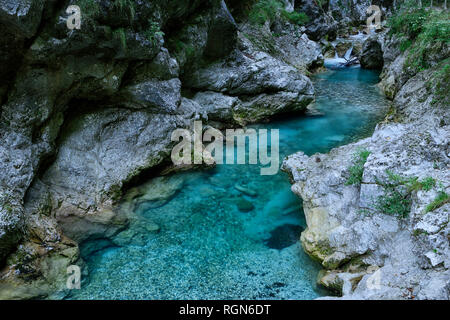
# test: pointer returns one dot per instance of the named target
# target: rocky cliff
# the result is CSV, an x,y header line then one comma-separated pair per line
x,y
85,111
378,210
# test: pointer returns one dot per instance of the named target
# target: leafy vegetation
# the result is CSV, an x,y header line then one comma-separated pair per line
x,y
125,7
357,169
396,198
298,18
181,48
423,31
264,10
119,34
440,84
427,184
153,32
269,10
89,8
443,84
441,199
393,202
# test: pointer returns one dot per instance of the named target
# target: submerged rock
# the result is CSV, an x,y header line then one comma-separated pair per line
x,y
244,205
154,193
246,191
283,236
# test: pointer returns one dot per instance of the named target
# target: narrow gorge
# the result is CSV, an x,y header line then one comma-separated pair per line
x,y
358,210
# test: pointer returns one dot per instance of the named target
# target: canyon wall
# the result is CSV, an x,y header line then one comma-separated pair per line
x,y
386,235
84,112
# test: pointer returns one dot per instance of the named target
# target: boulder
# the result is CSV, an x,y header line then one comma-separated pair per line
x,y
21,17
154,193
161,96
244,205
371,56
300,52
222,34
217,106
266,86
319,25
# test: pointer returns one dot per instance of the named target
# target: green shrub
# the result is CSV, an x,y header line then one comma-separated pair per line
x,y
423,31
397,190
264,10
441,199
125,7
181,47
408,22
89,8
357,169
119,35
405,44
435,33
428,183
413,183
441,79
269,10
396,198
393,202
153,32
298,18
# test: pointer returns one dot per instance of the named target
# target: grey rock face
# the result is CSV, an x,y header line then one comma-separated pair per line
x,y
265,85
56,183
287,42
217,106
222,34
377,256
11,226
319,24
90,168
320,28
300,52
396,71
163,67
371,56
22,17
351,10
249,76
158,96
19,21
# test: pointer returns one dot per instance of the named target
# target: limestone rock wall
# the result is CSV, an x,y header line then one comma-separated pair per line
x,y
366,253
83,112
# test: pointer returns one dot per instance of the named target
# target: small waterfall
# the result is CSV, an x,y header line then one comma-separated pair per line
x,y
348,53
338,62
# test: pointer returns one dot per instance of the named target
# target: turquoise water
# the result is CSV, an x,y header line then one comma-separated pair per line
x,y
215,242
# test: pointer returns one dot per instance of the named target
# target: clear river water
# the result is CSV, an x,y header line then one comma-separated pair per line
x,y
216,242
